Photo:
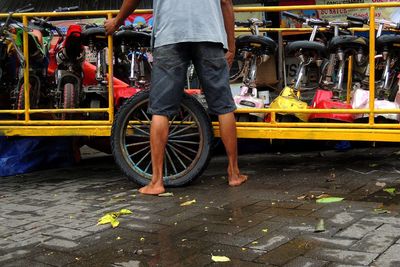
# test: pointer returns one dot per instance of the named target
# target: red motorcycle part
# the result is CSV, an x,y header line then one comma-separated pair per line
x,y
121,90
323,100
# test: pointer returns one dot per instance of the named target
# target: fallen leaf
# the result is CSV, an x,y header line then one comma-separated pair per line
x,y
118,238
254,242
244,249
166,194
396,153
322,196
142,239
373,165
125,212
381,211
302,197
220,258
380,184
390,190
188,203
265,230
112,217
320,227
329,200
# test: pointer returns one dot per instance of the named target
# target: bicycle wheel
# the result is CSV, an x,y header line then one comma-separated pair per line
x,y
189,143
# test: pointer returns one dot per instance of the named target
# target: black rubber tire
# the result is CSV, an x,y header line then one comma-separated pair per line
x,y
137,175
70,100
34,94
394,88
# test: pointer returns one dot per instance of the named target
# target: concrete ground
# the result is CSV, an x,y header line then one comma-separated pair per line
x,y
48,218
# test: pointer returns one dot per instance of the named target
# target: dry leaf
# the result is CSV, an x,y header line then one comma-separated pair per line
x,y
188,203
220,258
166,194
265,230
380,184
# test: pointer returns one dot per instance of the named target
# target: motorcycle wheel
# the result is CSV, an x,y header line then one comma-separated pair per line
x,y
70,100
34,94
393,89
188,148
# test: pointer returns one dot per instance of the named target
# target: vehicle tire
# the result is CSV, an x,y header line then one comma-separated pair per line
x,y
394,88
189,143
34,94
70,100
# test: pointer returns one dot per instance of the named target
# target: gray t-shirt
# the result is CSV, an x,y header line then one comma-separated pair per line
x,y
177,21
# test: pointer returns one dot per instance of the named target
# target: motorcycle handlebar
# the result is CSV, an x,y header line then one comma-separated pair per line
x,y
249,23
358,19
293,16
27,10
355,24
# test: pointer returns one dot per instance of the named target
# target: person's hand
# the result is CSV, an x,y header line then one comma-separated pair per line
x,y
111,25
230,56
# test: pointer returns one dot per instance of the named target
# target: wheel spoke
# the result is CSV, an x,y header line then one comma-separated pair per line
x,y
145,156
187,135
170,160
137,152
182,154
183,142
145,115
137,144
182,130
177,156
140,130
185,147
176,126
147,167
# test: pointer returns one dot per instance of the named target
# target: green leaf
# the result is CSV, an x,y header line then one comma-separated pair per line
x,y
391,191
329,200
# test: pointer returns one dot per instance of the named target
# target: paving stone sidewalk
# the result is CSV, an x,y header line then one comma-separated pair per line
x,y
48,218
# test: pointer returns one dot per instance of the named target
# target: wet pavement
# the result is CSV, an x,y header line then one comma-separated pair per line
x,y
48,218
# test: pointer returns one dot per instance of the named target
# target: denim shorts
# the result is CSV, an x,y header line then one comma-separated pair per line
x,y
168,77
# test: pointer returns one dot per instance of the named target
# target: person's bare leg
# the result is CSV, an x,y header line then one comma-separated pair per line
x,y
158,140
228,134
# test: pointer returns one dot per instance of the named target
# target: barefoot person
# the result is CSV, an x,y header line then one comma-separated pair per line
x,y
187,31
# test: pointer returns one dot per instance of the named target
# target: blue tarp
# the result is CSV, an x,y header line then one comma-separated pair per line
x,y
26,154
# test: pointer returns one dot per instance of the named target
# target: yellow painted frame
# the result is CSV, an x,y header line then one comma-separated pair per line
x,y
273,130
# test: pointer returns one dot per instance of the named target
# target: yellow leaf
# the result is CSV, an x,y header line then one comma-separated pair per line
x,y
108,218
114,223
220,258
188,203
142,239
118,238
125,212
265,230
254,242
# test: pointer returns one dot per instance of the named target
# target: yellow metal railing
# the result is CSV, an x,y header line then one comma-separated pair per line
x,y
305,130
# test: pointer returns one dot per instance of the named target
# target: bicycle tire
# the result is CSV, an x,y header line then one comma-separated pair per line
x,y
121,141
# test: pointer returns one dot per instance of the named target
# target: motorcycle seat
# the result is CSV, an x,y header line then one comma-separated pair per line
x,y
388,41
319,48
256,42
348,42
96,34
135,38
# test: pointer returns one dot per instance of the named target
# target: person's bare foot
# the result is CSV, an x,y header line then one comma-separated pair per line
x,y
152,189
235,178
